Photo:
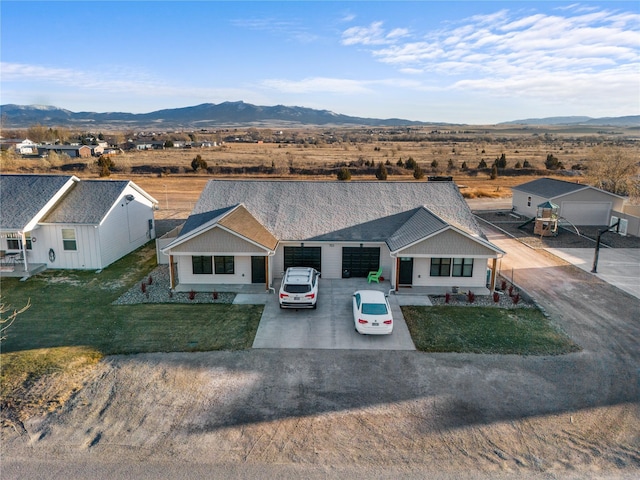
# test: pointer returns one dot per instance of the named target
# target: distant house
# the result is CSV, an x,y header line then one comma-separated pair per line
x,y
578,204
419,234
60,221
73,151
22,147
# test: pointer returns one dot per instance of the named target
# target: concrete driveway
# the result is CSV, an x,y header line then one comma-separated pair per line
x,y
330,326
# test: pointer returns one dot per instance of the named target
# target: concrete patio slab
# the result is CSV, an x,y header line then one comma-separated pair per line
x,y
619,267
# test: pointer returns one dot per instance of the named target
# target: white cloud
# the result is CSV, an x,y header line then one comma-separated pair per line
x,y
568,55
318,84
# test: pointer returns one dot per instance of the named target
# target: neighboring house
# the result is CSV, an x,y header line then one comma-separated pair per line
x,y
62,222
420,233
23,147
73,151
579,204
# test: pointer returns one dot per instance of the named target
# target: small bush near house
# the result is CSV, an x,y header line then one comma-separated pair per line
x,y
496,297
344,174
471,297
192,295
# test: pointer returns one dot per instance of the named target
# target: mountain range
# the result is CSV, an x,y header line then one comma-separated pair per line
x,y
239,114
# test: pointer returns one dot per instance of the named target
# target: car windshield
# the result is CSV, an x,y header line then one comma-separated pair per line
x,y
374,309
294,288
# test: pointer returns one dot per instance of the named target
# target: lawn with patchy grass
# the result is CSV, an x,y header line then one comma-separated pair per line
x,y
71,323
485,330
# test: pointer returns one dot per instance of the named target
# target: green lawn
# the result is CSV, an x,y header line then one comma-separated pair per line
x,y
71,320
522,331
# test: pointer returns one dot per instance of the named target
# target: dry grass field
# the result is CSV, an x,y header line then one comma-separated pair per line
x,y
318,154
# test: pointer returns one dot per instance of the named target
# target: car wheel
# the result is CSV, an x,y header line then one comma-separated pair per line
x,y
315,305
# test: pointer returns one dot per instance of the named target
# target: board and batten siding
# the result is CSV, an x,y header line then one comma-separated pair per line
x,y
125,227
449,243
49,236
217,240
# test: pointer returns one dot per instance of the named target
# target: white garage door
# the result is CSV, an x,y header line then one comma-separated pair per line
x,y
586,213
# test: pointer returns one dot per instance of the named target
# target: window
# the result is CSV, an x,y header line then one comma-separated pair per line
x,y
69,239
27,240
13,241
224,265
440,267
462,267
202,265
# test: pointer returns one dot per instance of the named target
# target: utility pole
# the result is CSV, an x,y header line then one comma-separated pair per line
x,y
597,252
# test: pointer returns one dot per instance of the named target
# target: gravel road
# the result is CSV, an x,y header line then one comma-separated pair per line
x,y
365,414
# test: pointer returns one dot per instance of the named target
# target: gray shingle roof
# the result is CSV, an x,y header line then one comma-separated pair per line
x,y
88,202
549,187
22,197
327,211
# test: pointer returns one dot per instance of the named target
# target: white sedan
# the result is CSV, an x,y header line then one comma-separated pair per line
x,y
372,313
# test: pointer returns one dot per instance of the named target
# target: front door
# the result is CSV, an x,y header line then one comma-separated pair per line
x,y
405,276
258,270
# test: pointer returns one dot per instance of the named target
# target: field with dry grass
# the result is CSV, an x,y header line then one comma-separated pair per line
x,y
318,154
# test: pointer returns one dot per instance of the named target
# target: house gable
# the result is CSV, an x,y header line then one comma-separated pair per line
x,y
217,240
448,242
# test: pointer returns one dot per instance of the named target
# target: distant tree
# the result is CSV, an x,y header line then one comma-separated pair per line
x,y
105,165
526,164
482,163
400,163
434,164
464,167
381,172
518,165
552,163
450,165
168,144
198,163
614,170
344,174
388,162
418,173
410,164
494,172
501,162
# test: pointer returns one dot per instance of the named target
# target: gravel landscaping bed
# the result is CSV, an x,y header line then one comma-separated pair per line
x,y
158,291
461,300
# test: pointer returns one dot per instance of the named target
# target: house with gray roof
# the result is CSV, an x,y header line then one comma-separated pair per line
x,y
60,221
419,233
578,203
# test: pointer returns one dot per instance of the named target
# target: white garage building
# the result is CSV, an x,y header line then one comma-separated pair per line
x,y
579,204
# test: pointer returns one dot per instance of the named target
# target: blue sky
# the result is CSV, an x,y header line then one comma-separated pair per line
x,y
462,62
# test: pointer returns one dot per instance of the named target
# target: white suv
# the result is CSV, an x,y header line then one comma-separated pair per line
x,y
299,288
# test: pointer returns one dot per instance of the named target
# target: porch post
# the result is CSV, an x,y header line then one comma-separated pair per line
x,y
23,243
266,272
397,272
492,287
172,284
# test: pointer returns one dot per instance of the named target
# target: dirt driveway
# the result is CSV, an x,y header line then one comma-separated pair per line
x,y
364,414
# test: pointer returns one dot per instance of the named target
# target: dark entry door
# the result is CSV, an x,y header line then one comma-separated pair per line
x,y
359,261
303,257
258,270
406,271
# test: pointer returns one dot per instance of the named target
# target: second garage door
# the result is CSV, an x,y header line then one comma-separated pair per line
x,y
359,261
586,213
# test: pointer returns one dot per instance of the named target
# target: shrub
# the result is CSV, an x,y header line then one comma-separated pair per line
x,y
198,163
494,172
150,280
526,164
381,172
434,164
482,163
418,174
501,162
447,297
516,298
215,295
143,287
471,297
410,164
464,166
106,165
496,297
400,163
552,163
503,285
511,290
344,174
192,295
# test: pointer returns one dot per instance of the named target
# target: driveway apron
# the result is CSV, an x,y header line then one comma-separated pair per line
x,y
330,326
